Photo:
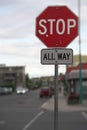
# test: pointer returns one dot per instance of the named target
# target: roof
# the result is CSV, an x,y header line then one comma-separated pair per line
x,y
83,65
74,74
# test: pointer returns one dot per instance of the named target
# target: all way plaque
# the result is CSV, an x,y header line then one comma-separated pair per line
x,y
56,56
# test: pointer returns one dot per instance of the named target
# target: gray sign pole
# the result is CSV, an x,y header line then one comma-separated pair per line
x,y
50,56
56,99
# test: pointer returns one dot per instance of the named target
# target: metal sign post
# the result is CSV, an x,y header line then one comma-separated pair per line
x,y
56,99
56,56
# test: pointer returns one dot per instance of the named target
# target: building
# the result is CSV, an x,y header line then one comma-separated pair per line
x,y
73,77
12,76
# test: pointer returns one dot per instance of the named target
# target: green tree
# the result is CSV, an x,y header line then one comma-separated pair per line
x,y
27,80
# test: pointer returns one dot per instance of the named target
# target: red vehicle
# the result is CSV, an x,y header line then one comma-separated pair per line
x,y
45,91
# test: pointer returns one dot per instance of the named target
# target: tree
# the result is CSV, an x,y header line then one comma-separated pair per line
x,y
27,80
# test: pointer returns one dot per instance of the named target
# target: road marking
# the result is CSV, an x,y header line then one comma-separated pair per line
x,y
44,104
33,120
2,122
84,114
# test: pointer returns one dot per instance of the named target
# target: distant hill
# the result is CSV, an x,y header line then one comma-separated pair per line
x,y
76,59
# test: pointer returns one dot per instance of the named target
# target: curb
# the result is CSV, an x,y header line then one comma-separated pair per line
x,y
63,106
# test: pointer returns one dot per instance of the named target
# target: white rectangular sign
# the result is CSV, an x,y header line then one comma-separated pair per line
x,y
56,56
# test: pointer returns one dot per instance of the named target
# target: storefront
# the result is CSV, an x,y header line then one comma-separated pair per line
x,y
74,85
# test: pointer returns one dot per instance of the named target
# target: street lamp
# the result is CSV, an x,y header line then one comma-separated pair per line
x,y
80,60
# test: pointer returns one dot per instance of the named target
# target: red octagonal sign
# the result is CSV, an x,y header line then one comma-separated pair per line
x,y
57,26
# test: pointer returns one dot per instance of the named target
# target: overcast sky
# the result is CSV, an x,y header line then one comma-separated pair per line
x,y
18,43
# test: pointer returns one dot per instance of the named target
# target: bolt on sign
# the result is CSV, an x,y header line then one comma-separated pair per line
x,y
57,26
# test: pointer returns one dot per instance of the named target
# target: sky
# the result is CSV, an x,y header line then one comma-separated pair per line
x,y
18,42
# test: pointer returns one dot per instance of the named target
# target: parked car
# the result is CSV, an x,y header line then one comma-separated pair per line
x,y
10,90
45,91
3,90
73,98
21,90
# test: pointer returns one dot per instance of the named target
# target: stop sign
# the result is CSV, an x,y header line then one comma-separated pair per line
x,y
57,26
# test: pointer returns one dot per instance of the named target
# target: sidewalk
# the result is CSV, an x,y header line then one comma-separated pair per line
x,y
63,106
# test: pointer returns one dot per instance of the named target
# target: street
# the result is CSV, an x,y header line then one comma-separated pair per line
x,y
25,112
67,121
17,110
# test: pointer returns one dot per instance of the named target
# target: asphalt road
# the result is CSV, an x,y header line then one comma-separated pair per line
x,y
16,111
23,112
66,121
